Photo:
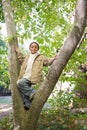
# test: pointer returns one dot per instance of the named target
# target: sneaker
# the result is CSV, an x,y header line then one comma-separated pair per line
x,y
27,105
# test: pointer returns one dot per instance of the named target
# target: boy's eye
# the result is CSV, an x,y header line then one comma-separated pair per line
x,y
34,47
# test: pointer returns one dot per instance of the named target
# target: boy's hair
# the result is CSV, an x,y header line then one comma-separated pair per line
x,y
35,43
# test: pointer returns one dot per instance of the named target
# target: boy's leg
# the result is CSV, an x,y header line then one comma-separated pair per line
x,y
26,90
27,102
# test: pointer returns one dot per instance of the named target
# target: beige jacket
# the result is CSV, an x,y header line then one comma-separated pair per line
x,y
39,62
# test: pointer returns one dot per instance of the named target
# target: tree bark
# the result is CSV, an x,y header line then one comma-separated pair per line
x,y
20,116
28,120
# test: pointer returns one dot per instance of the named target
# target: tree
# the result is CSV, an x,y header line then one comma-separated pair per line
x,y
28,120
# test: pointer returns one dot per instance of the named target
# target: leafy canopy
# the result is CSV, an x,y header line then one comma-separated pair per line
x,y
48,22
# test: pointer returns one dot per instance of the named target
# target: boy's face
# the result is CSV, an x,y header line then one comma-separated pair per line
x,y
33,48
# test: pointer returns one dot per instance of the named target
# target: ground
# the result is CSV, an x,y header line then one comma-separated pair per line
x,y
5,106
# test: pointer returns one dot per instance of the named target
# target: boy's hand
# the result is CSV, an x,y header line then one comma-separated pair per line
x,y
17,49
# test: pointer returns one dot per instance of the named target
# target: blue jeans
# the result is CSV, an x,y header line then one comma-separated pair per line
x,y
25,88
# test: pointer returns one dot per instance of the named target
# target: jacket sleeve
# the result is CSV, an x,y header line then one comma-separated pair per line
x,y
48,61
20,56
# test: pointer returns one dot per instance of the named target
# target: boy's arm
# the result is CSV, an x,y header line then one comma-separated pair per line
x,y
20,56
48,61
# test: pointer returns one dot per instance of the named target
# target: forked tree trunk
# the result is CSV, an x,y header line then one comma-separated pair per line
x,y
28,120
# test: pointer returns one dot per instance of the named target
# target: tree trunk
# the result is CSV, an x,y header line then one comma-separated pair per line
x,y
28,120
20,116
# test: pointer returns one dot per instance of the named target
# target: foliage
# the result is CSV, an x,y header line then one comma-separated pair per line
x,y
6,123
4,76
76,60
59,116
44,21
1,12
72,72
52,120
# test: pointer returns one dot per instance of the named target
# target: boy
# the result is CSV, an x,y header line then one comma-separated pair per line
x,y
31,72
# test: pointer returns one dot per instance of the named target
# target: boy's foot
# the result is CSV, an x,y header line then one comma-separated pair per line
x,y
27,105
